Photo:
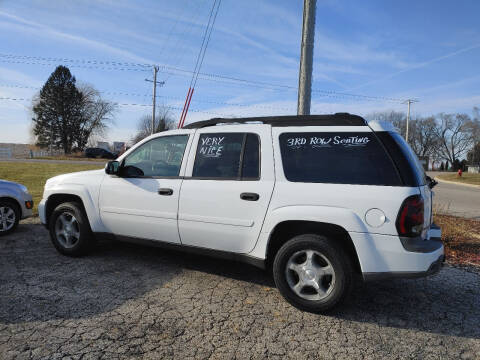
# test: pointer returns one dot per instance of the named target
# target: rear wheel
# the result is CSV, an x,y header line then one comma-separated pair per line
x,y
70,230
312,273
9,216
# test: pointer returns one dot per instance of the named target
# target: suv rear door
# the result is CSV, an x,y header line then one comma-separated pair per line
x,y
227,188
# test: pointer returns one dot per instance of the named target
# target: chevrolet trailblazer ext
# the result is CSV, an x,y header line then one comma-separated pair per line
x,y
316,199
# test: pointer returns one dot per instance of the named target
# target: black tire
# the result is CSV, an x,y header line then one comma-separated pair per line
x,y
338,289
10,205
83,243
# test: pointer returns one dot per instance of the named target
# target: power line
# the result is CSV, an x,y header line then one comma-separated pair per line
x,y
206,101
134,104
143,67
178,53
199,62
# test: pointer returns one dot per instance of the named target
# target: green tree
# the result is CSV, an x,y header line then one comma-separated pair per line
x,y
66,116
56,110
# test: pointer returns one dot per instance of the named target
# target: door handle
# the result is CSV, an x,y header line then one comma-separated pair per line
x,y
165,191
249,196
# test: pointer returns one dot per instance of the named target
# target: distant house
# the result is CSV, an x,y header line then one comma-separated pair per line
x,y
474,169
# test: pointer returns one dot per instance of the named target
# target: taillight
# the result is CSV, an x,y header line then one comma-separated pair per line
x,y
410,217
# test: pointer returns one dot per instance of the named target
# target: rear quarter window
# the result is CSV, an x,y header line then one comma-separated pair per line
x,y
338,158
410,169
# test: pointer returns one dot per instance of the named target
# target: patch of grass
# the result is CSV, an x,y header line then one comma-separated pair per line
x,y
34,175
461,238
466,178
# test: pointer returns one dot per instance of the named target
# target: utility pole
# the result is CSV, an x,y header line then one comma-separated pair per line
x,y
408,102
306,58
154,94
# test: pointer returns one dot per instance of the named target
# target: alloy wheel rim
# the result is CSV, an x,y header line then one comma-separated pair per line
x,y
67,230
7,218
310,275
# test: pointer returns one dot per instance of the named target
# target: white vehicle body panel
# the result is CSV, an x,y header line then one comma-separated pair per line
x,y
341,204
385,254
143,213
133,207
85,185
211,213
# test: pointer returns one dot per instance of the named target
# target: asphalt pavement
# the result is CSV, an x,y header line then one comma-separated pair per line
x,y
132,302
457,199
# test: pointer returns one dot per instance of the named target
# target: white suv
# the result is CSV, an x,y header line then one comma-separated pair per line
x,y
317,199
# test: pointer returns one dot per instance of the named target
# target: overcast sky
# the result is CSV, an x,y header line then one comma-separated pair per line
x,y
386,50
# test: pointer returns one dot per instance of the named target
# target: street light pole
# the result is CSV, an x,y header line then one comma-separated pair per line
x,y
306,58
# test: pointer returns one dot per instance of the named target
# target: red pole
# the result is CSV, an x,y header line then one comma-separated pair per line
x,y
188,106
184,107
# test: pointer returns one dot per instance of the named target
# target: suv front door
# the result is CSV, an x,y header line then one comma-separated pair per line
x,y
143,201
227,189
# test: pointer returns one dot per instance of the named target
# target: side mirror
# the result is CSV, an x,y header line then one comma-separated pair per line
x,y
112,168
431,182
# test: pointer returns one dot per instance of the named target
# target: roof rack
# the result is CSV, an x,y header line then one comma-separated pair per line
x,y
338,119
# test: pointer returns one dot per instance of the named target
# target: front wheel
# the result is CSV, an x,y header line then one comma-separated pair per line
x,y
9,216
70,230
312,273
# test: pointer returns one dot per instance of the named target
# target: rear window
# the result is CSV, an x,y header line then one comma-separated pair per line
x,y
411,156
339,158
410,169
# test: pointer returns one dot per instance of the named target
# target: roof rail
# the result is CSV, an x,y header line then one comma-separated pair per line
x,y
338,119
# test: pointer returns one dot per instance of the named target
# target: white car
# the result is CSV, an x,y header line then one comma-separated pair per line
x,y
15,204
317,199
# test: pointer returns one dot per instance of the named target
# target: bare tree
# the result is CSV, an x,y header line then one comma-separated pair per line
x,y
97,114
163,121
396,118
455,134
423,140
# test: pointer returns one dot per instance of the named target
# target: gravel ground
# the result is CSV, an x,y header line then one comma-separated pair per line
x,y
137,302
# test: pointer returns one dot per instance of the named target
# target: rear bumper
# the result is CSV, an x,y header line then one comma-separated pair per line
x,y
432,269
420,245
389,256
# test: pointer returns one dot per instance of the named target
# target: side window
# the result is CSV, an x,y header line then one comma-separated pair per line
x,y
251,157
338,158
232,156
161,156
